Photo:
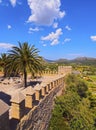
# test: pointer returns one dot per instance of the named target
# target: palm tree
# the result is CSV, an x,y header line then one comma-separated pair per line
x,y
23,59
3,62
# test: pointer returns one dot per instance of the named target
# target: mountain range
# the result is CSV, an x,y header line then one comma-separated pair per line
x,y
78,60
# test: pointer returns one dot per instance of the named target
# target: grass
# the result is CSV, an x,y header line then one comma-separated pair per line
x,y
93,77
91,82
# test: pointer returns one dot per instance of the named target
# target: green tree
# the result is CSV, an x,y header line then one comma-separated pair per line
x,y
23,59
3,63
72,110
82,89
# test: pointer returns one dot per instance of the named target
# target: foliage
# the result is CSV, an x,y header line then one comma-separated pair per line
x,y
50,66
24,58
3,63
73,110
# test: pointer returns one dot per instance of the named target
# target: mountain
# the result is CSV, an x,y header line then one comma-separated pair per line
x,y
47,60
61,60
78,60
85,60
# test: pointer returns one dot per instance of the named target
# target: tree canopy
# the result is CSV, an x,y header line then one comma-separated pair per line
x,y
23,58
73,109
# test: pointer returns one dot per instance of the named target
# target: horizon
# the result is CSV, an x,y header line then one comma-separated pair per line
x,y
60,29
71,59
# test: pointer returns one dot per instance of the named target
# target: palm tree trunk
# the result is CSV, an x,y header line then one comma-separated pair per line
x,y
25,77
4,71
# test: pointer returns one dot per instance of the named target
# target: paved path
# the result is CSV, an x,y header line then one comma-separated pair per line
x,y
11,87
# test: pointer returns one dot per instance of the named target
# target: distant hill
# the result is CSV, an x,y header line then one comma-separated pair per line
x,y
85,60
78,60
61,60
47,60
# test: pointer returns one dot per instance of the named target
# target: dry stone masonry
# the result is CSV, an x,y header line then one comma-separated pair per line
x,y
31,108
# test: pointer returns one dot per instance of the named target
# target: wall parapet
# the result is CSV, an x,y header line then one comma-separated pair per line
x,y
32,107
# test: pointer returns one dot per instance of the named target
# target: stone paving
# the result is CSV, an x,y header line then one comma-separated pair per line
x,y
10,86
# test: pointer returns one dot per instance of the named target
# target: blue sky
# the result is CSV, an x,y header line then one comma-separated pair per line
x,y
58,28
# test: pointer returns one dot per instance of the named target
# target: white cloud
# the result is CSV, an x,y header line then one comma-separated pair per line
x,y
55,25
53,37
67,40
93,38
44,12
13,2
36,29
62,14
44,45
68,28
9,27
6,45
55,42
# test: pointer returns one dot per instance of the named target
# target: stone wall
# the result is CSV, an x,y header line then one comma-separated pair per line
x,y
38,118
4,116
31,108
64,69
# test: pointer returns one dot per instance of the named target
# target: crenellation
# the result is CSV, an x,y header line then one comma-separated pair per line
x,y
39,113
29,93
18,106
47,89
43,90
49,86
52,84
64,70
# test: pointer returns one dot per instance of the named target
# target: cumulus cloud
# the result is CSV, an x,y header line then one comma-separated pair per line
x,y
93,38
55,42
44,12
6,45
55,25
13,2
68,28
36,29
67,40
9,27
53,37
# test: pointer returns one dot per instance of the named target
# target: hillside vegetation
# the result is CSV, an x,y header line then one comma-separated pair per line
x,y
75,109
76,61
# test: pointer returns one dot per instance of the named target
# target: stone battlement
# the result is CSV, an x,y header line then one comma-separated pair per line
x,y
31,108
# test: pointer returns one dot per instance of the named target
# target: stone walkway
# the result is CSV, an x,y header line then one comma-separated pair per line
x,y
9,87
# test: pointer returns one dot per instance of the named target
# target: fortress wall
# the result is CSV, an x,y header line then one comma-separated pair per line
x,y
38,118
31,109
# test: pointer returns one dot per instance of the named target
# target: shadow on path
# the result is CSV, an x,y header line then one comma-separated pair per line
x,y
5,97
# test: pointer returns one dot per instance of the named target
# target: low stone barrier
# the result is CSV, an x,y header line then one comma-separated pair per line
x,y
32,107
18,106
